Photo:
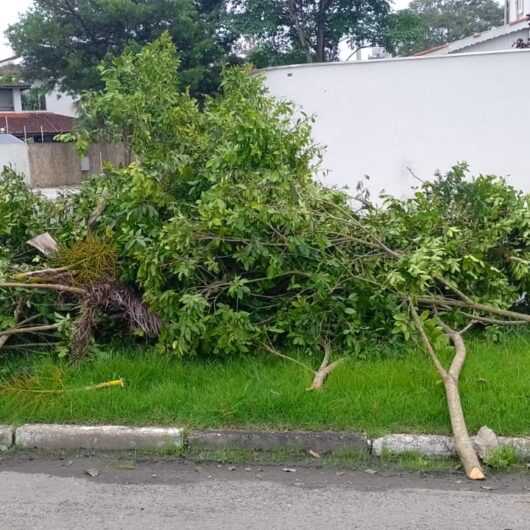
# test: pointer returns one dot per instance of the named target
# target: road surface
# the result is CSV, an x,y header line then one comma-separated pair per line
x,y
109,492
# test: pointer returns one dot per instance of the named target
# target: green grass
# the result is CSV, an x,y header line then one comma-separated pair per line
x,y
400,394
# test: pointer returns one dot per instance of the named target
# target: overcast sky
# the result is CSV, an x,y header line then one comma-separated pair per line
x,y
9,12
11,9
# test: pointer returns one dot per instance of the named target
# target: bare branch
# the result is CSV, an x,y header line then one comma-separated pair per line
x,y
51,286
30,329
283,356
485,308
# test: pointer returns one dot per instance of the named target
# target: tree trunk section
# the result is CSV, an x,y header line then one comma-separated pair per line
x,y
322,374
463,444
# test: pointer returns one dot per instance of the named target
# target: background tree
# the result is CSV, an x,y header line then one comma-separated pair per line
x,y
286,31
63,41
406,33
443,21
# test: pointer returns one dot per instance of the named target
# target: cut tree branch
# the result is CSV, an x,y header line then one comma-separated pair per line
x,y
485,308
29,329
450,379
51,286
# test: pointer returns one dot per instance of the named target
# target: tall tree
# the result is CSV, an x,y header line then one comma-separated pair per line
x,y
449,20
307,30
406,33
63,41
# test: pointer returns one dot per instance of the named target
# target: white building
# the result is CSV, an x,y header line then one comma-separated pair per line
x,y
516,27
11,95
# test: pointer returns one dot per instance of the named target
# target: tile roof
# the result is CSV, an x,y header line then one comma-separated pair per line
x,y
35,123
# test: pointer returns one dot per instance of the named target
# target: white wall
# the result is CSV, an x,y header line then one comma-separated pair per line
x,y
60,103
17,100
378,118
16,157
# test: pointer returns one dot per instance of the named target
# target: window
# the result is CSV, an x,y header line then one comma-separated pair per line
x,y
6,99
519,8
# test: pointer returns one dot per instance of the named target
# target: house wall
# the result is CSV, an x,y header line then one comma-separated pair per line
x,y
518,9
61,103
379,118
17,99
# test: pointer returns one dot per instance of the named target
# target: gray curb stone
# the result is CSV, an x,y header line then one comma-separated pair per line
x,y
103,437
443,446
321,442
425,444
7,437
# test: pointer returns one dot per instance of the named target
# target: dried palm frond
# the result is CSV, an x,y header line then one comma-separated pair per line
x,y
93,259
112,298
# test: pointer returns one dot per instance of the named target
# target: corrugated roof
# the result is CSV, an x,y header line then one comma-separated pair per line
x,y
20,123
431,50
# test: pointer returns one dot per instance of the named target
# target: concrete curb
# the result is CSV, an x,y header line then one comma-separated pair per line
x,y
120,438
443,446
103,437
425,444
320,442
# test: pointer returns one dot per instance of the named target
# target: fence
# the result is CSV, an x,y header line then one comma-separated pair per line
x,y
56,164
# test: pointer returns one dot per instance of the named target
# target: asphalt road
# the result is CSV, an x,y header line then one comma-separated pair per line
x,y
57,493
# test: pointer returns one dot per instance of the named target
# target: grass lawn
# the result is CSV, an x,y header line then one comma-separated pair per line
x,y
387,395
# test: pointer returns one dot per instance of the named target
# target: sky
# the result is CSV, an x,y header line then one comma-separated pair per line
x,y
9,13
11,9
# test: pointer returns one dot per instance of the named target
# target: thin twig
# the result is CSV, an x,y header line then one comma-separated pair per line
x,y
283,356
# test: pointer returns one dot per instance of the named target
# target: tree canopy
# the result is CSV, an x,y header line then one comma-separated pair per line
x,y
429,23
63,41
283,31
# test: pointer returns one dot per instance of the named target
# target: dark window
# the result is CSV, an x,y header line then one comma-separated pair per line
x,y
6,100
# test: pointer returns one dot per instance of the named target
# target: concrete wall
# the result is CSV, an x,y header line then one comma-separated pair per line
x,y
379,118
56,164
16,157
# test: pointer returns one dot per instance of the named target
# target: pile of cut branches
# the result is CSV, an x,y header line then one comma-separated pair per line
x,y
217,241
84,284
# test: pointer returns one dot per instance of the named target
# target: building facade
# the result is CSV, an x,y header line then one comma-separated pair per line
x,y
514,33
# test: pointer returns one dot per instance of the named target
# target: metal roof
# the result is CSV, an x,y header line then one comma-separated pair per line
x,y
493,33
20,123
